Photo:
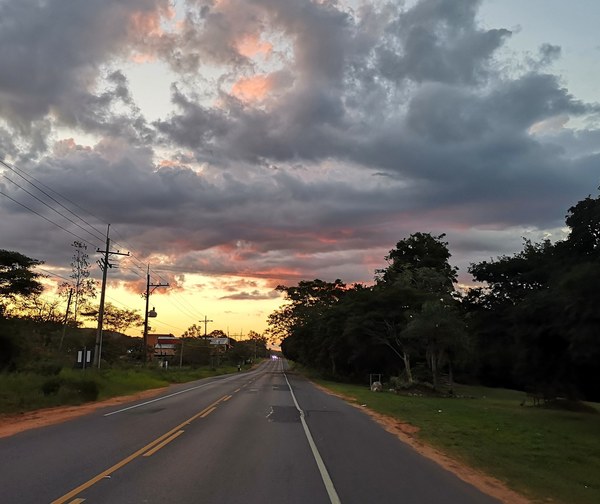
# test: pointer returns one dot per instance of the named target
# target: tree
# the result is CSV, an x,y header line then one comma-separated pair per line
x,y
442,332
259,344
508,279
536,317
41,310
16,275
420,251
418,279
83,287
194,331
584,221
375,318
300,323
119,320
116,319
306,301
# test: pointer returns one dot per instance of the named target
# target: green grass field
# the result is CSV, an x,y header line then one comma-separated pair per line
x,y
541,453
27,391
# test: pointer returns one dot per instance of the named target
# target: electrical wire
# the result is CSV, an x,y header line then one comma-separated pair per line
x,y
47,219
174,300
19,172
53,274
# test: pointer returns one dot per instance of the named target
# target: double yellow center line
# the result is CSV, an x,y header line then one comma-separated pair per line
x,y
146,451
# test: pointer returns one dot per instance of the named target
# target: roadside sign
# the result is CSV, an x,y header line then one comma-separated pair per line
x,y
84,358
219,341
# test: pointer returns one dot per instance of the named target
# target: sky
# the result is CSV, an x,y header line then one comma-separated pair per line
x,y
237,145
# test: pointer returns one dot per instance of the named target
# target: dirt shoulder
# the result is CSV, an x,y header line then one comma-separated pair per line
x,y
12,424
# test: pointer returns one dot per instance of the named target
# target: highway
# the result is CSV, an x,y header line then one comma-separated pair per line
x,y
263,436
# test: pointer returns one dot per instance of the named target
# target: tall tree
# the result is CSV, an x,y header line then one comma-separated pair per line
x,y
83,287
441,330
584,221
194,331
419,279
537,314
116,319
305,302
300,323
420,251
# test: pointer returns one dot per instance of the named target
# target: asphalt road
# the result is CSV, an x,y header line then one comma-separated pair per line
x,y
262,436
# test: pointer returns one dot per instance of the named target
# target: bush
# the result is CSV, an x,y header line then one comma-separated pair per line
x,y
8,351
71,389
87,390
49,368
51,386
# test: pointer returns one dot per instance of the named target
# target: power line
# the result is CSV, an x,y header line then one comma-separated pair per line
x,y
50,207
177,302
47,219
53,274
19,172
183,309
168,325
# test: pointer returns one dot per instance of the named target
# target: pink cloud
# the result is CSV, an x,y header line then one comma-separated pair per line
x,y
252,89
251,45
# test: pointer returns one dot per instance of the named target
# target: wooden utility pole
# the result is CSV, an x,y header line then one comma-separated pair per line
x,y
206,321
62,336
147,296
104,265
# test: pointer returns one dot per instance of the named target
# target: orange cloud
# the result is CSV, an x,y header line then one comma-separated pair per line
x,y
252,89
68,145
146,26
251,45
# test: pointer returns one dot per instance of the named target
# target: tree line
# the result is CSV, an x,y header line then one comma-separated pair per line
x,y
34,330
532,321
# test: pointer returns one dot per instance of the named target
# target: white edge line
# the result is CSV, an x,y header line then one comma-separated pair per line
x,y
333,496
169,395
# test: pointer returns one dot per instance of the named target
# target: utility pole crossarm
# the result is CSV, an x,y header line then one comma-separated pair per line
x,y
205,321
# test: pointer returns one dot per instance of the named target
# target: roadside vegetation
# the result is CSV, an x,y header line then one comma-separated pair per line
x,y
549,454
27,391
38,367
531,321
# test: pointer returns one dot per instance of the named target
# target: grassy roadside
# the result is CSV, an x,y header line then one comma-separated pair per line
x,y
545,454
27,391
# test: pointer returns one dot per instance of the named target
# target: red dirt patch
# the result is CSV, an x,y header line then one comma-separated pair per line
x,y
12,424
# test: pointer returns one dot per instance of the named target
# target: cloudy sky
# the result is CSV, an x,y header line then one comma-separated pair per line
x,y
235,145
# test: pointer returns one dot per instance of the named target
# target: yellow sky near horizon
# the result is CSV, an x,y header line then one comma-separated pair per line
x,y
191,303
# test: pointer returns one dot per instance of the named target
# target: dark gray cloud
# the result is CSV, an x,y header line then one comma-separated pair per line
x,y
305,138
54,55
438,41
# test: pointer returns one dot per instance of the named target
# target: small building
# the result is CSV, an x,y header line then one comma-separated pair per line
x,y
164,346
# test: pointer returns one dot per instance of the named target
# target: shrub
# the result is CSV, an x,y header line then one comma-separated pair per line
x,y
49,368
87,389
51,386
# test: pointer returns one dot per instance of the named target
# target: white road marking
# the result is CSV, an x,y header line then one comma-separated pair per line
x,y
171,395
333,496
